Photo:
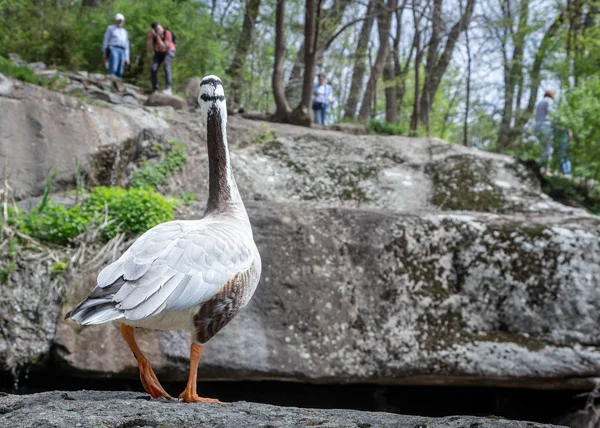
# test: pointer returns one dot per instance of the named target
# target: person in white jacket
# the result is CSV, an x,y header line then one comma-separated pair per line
x,y
543,127
322,99
115,47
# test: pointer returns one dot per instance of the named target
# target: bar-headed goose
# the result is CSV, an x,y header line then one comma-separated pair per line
x,y
195,274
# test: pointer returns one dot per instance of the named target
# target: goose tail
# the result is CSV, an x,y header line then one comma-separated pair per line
x,y
98,307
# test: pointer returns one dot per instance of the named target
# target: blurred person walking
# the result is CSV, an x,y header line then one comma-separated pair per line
x,y
543,127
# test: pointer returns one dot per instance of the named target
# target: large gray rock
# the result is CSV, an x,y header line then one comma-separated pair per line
x,y
409,174
190,87
91,409
454,269
380,296
16,59
41,129
6,86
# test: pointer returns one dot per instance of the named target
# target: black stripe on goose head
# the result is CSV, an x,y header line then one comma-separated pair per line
x,y
209,89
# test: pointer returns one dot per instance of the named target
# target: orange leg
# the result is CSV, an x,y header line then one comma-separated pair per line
x,y
189,394
147,376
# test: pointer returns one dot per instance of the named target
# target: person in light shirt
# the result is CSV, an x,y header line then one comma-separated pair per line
x,y
543,127
322,99
115,47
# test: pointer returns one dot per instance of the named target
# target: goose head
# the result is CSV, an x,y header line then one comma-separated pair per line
x,y
212,100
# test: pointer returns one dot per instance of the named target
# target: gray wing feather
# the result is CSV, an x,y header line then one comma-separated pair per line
x,y
173,266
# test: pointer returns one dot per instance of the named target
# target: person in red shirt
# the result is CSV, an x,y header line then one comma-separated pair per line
x,y
160,41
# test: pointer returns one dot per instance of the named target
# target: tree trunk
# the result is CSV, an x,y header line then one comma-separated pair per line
x,y
358,72
436,70
384,19
389,82
241,52
282,109
400,71
513,79
536,69
468,91
431,62
328,24
301,114
414,122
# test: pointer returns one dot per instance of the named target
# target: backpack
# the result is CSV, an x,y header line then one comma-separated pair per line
x,y
172,36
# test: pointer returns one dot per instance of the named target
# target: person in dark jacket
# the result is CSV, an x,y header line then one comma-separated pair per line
x,y
161,43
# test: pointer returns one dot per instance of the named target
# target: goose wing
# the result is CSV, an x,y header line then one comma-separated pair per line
x,y
173,266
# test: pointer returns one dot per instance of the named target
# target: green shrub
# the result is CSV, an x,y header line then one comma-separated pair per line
x,y
132,211
569,192
153,174
187,197
55,224
579,111
381,127
115,210
58,268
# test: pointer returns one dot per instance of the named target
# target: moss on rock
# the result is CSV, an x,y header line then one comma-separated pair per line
x,y
462,182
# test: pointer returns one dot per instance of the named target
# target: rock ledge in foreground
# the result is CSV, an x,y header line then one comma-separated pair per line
x,y
130,409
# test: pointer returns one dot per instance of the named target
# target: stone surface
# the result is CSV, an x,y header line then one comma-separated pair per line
x,y
386,259
91,409
378,296
191,89
6,86
16,59
350,128
37,65
40,129
158,99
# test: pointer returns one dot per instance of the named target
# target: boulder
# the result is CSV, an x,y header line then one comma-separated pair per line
x,y
350,128
159,99
386,259
117,85
16,59
380,296
190,87
106,96
129,409
40,129
6,86
74,88
37,66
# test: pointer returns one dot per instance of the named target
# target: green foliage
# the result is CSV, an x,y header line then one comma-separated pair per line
x,y
58,268
267,135
132,211
570,192
580,112
381,127
113,210
154,174
54,224
69,34
187,197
